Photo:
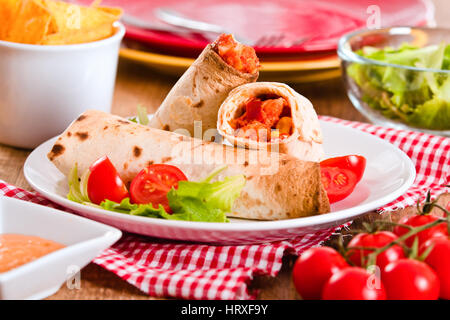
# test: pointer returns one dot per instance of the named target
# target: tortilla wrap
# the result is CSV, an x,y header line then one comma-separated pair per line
x,y
277,186
197,95
304,143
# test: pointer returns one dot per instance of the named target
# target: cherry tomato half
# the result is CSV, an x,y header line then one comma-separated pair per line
x,y
354,163
374,240
353,284
439,260
339,183
313,269
409,279
439,230
105,183
152,184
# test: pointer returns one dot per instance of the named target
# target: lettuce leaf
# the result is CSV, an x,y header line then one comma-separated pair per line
x,y
193,201
219,194
142,116
419,99
433,114
446,62
76,191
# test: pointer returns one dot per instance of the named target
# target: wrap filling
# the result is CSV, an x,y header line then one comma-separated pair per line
x,y
239,56
265,118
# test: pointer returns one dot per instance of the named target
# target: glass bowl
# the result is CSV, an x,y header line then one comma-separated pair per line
x,y
417,107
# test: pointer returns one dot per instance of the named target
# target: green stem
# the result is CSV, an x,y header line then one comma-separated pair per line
x,y
371,258
443,209
394,224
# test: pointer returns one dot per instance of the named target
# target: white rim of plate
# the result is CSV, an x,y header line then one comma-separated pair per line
x,y
341,215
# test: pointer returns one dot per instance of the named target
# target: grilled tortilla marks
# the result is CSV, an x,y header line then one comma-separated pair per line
x,y
57,150
137,151
82,135
198,104
82,117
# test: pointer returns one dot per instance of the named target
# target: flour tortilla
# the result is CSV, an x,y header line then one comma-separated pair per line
x,y
305,143
197,95
277,186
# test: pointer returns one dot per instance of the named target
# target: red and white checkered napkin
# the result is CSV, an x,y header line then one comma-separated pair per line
x,y
198,271
430,155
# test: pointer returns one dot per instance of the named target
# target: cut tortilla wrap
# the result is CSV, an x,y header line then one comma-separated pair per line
x,y
198,94
305,138
277,186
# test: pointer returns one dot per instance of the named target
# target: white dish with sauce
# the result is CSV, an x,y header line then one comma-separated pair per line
x,y
83,239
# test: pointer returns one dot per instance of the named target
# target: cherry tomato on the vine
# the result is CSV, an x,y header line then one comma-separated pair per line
x,y
313,269
439,260
378,239
409,279
439,230
354,284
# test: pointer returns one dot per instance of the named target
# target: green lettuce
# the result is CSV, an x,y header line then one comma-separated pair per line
x,y
142,116
193,201
420,99
77,187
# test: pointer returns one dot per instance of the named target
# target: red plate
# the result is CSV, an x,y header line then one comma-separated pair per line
x,y
321,21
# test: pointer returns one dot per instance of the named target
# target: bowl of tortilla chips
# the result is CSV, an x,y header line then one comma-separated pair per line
x,y
57,60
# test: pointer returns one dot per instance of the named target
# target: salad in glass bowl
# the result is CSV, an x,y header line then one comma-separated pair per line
x,y
400,76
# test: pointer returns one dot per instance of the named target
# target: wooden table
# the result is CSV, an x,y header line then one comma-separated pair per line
x,y
139,85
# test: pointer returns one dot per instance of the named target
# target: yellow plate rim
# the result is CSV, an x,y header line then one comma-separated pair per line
x,y
160,59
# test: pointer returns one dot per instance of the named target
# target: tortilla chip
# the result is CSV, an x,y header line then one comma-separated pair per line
x,y
79,36
70,17
8,12
30,25
55,22
116,12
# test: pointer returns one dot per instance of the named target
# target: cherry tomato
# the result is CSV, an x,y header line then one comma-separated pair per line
x,y
152,184
419,220
439,260
339,183
353,284
354,163
105,183
375,240
313,269
409,279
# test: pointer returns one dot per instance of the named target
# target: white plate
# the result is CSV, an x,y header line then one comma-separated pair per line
x,y
389,173
84,239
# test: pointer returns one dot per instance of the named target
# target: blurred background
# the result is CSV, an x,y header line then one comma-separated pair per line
x,y
296,41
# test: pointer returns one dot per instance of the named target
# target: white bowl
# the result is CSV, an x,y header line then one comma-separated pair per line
x,y
84,240
43,88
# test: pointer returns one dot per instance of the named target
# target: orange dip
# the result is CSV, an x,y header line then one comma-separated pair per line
x,y
18,249
265,118
235,54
